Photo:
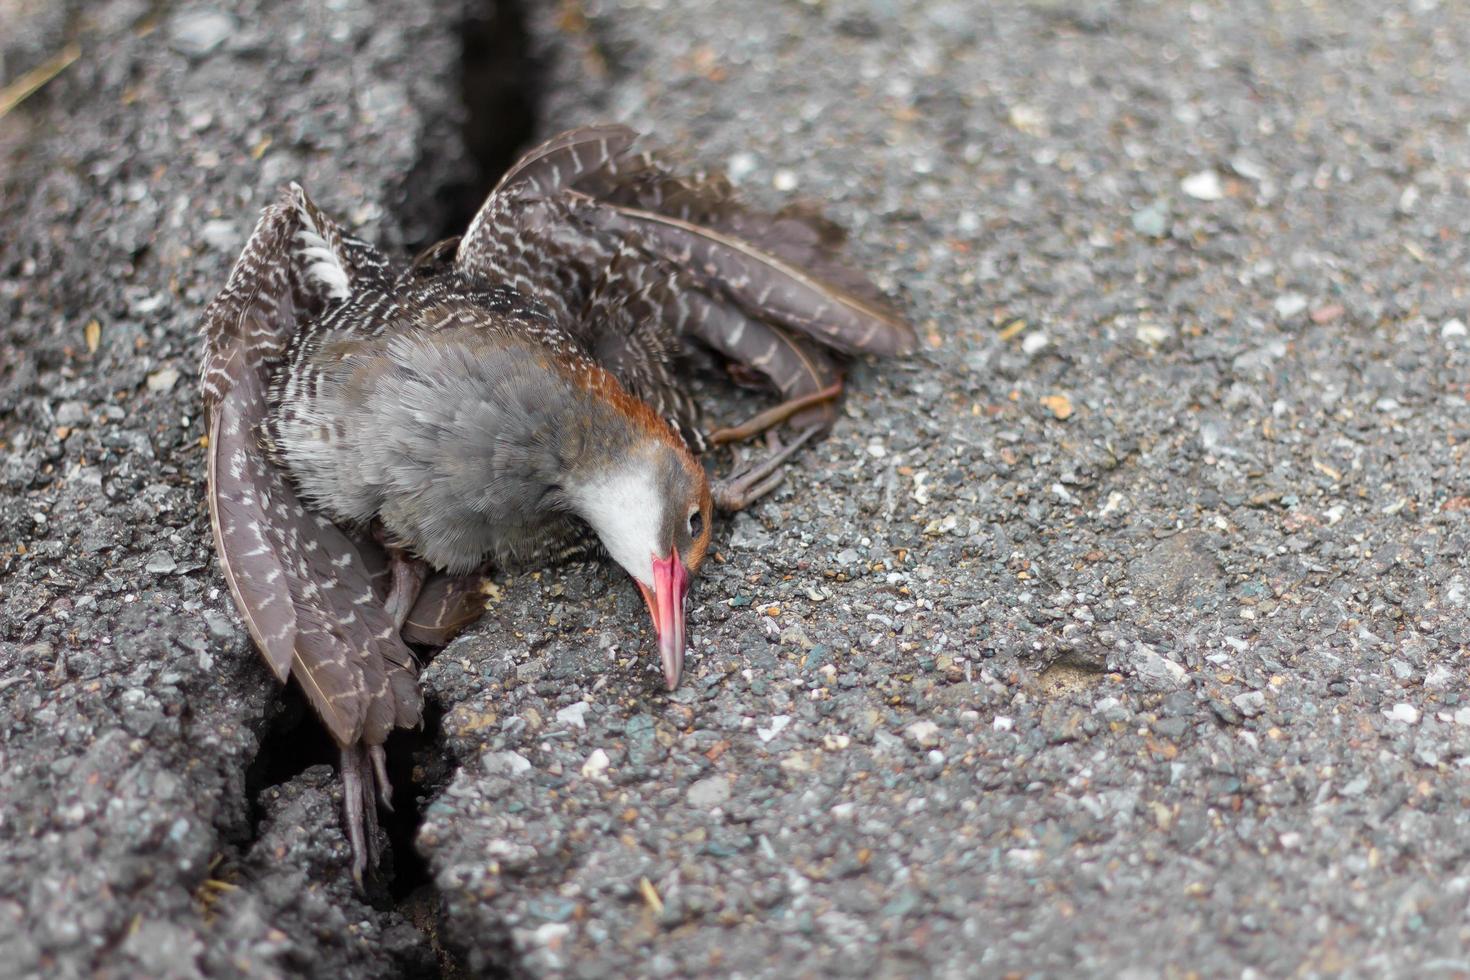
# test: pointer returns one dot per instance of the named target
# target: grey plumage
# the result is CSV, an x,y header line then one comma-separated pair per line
x,y
491,401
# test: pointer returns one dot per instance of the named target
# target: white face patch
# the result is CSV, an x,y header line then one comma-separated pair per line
x,y
626,510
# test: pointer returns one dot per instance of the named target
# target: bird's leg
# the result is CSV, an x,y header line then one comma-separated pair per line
x,y
747,485
359,808
773,416
408,578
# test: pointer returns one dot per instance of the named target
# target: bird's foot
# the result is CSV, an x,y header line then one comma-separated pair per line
x,y
774,416
753,481
364,786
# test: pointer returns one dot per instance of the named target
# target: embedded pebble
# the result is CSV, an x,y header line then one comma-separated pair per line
x,y
161,564
505,763
596,764
1153,220
574,715
197,33
925,732
1203,186
777,726
709,793
1288,305
1250,704
1406,713
163,380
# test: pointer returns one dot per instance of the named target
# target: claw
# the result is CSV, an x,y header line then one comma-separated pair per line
x,y
353,811
745,486
364,786
379,757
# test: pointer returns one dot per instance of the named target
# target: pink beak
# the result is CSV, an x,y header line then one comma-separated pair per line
x,y
666,606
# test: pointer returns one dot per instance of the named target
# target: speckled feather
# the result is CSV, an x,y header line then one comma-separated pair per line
x,y
299,581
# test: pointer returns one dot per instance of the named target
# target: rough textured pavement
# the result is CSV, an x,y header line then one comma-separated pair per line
x,y
1122,632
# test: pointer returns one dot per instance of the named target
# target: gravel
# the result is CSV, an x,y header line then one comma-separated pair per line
x,y
1170,681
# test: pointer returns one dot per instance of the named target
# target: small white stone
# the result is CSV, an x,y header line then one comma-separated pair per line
x,y
1203,186
1250,704
574,715
709,793
1289,305
1115,503
1406,713
163,380
740,166
199,32
505,763
551,932
784,180
596,765
1248,168
778,723
1033,343
1152,334
221,235
1453,328
1440,678
1158,671
926,733
1029,119
1003,723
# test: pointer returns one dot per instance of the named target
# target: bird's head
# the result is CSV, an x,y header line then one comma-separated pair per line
x,y
651,508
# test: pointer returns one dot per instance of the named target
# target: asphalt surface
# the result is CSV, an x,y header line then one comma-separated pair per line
x,y
1122,631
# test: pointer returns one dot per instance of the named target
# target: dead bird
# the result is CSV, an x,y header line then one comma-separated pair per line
x,y
505,395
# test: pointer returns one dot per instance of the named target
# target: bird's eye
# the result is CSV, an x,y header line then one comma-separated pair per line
x,y
696,524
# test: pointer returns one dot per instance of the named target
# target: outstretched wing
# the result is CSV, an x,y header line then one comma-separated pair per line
x,y
634,260
764,285
300,583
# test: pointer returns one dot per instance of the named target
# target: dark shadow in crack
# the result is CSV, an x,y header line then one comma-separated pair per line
x,y
500,93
